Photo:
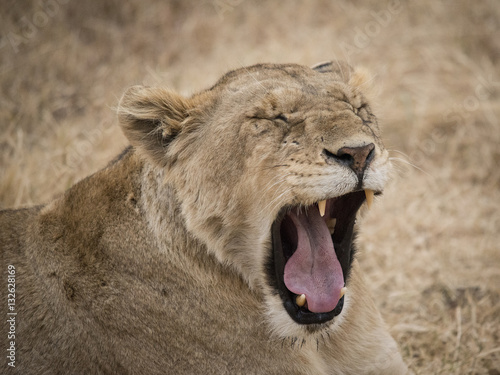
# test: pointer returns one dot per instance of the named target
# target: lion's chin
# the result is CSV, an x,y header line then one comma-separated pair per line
x,y
283,327
311,259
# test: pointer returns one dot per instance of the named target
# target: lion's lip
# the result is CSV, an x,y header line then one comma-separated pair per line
x,y
285,241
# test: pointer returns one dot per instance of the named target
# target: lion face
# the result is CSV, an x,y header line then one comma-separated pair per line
x,y
270,167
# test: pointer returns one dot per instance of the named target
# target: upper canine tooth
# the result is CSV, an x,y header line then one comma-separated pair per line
x,y
369,197
322,207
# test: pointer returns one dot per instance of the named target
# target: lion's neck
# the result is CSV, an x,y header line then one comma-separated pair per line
x,y
164,218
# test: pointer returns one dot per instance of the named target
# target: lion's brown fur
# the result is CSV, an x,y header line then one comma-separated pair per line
x,y
157,263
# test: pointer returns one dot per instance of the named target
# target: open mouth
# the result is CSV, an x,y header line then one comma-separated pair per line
x,y
312,256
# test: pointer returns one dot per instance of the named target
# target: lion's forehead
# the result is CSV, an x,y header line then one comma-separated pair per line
x,y
283,81
309,86
262,72
268,98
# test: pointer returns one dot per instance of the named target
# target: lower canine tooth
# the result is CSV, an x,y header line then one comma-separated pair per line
x,y
369,197
331,225
300,300
342,292
322,207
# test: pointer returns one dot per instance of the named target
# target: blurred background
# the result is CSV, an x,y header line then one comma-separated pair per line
x,y
430,247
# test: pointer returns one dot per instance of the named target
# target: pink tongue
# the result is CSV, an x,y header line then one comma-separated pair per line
x,y
314,269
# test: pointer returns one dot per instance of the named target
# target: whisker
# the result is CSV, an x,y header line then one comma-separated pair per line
x,y
411,164
399,169
276,205
275,202
274,182
399,152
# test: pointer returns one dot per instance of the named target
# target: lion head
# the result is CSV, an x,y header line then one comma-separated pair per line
x,y
270,167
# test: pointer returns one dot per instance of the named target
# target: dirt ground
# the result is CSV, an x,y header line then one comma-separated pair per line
x,y
430,247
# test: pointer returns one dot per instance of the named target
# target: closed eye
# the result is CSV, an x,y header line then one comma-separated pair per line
x,y
281,117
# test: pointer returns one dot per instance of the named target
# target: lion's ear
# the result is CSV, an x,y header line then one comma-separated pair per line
x,y
358,77
339,67
323,67
151,118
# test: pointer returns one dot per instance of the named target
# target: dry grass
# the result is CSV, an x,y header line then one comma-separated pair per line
x,y
430,248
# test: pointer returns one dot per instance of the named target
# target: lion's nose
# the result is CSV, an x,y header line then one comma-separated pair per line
x,y
356,158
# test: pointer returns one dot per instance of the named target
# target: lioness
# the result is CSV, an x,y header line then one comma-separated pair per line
x,y
219,242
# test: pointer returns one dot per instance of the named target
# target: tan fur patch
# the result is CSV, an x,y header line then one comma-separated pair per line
x,y
163,260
